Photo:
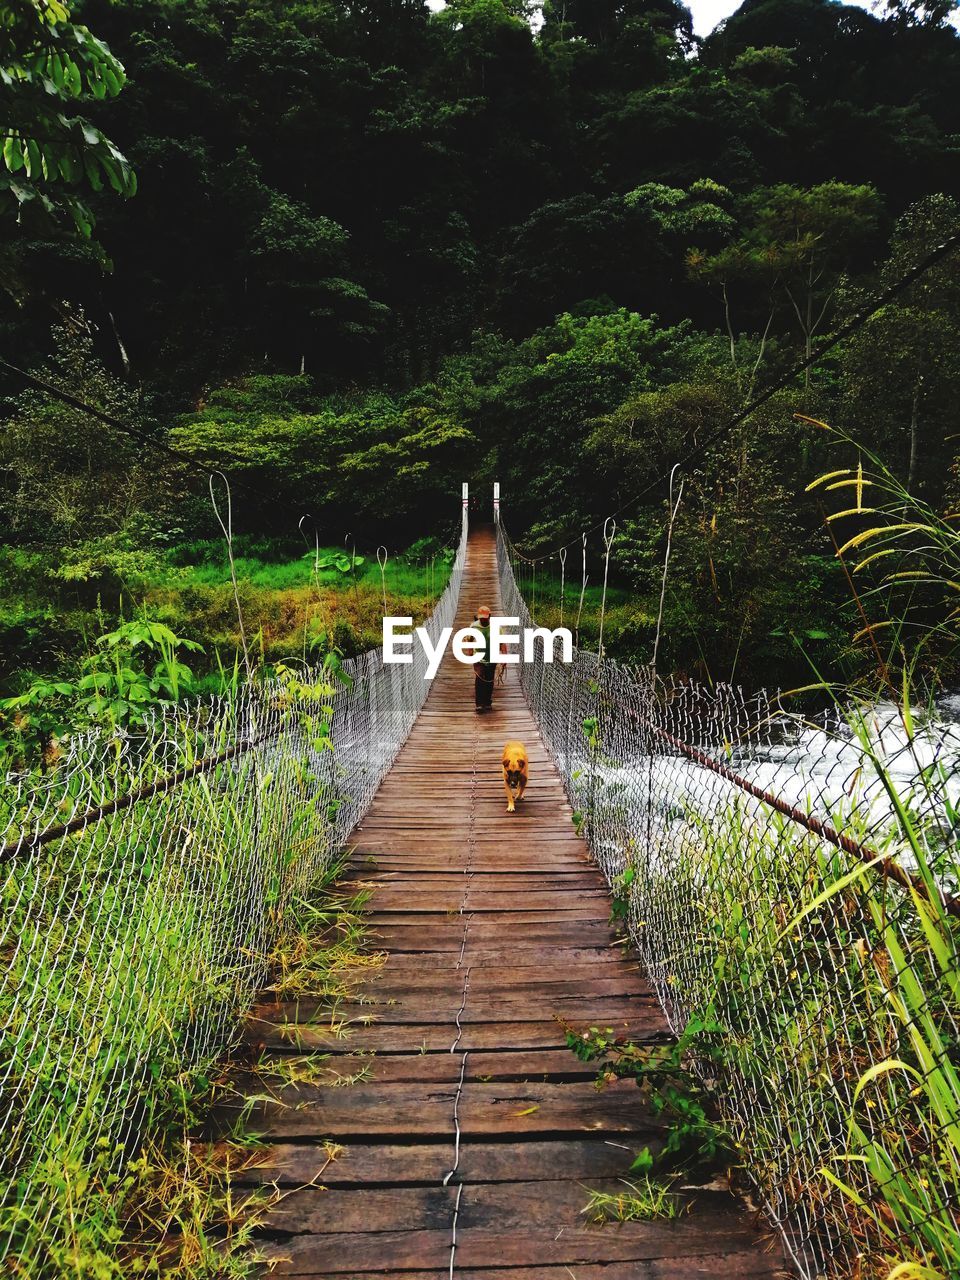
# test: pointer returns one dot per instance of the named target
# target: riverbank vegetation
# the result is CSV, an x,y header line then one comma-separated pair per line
x,y
795,903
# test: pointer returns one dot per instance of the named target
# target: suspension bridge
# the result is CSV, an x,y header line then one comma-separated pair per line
x,y
472,1143
469,1137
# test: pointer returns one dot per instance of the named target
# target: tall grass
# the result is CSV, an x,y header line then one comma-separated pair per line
x,y
903,1135
291,606
130,948
904,561
276,569
137,931
838,987
838,992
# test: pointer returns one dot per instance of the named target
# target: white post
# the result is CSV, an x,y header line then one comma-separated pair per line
x,y
466,495
496,502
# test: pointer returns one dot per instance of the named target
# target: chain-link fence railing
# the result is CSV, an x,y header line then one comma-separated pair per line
x,y
144,882
790,883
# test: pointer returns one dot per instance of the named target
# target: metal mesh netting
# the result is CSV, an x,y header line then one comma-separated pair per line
x,y
144,881
746,838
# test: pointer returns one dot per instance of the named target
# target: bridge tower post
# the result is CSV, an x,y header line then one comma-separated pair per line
x,y
496,502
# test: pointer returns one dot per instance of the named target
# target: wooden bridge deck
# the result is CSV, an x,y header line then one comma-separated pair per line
x,y
492,924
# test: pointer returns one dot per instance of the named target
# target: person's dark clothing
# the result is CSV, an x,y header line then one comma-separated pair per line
x,y
484,673
483,684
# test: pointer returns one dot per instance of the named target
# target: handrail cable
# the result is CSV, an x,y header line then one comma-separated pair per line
x,y
27,842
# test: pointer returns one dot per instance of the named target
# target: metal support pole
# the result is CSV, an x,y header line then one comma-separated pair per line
x,y
496,502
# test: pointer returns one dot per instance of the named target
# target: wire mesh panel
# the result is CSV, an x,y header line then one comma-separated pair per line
x,y
790,883
144,881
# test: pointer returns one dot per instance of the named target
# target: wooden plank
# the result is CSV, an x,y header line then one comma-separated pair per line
x,y
397,1111
430,1008
512,1205
547,968
505,986
542,1108
553,1206
441,908
348,1254
433,1068
470,897
297,1164
740,1266
526,845
508,927
496,957
336,1212
344,1254
572,1246
505,932
410,881
399,1038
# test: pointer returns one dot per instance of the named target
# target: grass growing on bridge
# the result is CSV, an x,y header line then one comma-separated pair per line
x,y
641,1200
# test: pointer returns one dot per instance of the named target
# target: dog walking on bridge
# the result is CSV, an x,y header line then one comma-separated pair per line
x,y
516,773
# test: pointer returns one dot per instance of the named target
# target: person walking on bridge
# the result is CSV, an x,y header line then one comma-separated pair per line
x,y
484,671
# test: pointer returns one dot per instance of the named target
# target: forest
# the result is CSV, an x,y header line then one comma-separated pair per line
x,y
282,936
351,254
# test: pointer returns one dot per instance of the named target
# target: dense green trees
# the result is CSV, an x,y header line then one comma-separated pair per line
x,y
376,250
901,373
370,461
52,155
477,171
48,67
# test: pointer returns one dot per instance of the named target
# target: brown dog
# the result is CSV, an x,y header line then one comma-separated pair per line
x,y
516,772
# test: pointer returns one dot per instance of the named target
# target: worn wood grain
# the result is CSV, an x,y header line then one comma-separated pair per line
x,y
402,1038
692,1267
486,1108
424,1008
296,1164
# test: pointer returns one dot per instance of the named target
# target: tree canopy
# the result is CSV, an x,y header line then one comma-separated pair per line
x,y
376,249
